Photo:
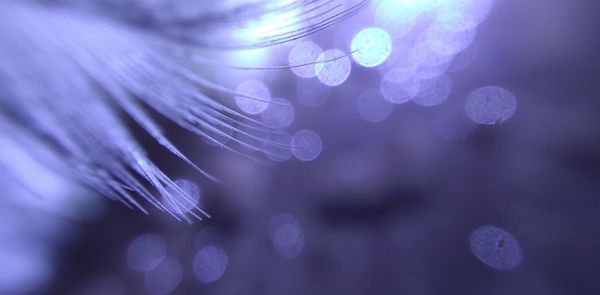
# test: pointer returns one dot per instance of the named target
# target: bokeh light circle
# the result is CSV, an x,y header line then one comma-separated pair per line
x,y
398,87
490,105
371,47
146,252
279,114
179,204
258,100
286,235
305,53
496,248
434,92
333,67
210,264
306,145
164,278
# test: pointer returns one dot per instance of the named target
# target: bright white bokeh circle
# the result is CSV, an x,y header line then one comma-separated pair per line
x,y
371,47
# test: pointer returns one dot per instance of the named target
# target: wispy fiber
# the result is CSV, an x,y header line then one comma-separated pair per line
x,y
70,70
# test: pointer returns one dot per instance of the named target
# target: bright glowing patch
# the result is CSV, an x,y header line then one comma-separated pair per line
x,y
179,204
496,248
371,47
210,264
278,115
146,252
304,53
462,15
306,145
490,105
396,17
164,278
258,99
333,68
372,107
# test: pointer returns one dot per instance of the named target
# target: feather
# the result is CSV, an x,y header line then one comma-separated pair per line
x,y
70,69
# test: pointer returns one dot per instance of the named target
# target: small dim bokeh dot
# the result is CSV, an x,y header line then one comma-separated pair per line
x,y
496,248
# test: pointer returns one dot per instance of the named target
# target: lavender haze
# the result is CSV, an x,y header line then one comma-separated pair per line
x,y
299,147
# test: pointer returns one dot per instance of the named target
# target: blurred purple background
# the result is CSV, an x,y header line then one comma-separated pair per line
x,y
387,207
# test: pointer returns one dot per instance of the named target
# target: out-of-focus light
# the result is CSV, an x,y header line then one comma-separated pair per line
x,y
277,146
179,204
397,88
445,42
496,248
463,15
425,72
164,278
371,47
333,68
434,92
464,59
400,58
304,53
279,114
258,100
269,26
280,219
146,252
422,54
23,267
397,17
490,105
306,145
372,107
312,93
210,264
286,235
